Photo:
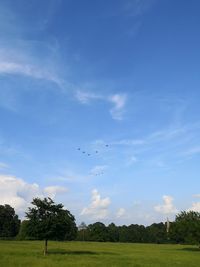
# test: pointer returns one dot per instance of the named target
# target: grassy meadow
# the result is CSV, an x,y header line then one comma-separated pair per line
x,y
29,254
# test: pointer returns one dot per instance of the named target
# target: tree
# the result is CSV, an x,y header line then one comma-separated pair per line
x,y
49,221
186,228
98,232
9,222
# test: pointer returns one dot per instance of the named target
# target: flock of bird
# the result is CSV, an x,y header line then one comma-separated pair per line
x,y
90,154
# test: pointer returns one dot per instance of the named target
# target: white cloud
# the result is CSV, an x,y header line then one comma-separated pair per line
x,y
52,191
98,208
195,207
18,193
168,206
120,213
119,101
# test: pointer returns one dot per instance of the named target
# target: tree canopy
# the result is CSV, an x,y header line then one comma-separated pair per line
x,y
186,228
9,222
49,221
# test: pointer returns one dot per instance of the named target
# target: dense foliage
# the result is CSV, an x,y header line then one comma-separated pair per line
x,y
49,221
134,233
186,228
9,222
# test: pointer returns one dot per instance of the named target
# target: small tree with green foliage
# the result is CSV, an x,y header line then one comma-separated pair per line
x,y
49,221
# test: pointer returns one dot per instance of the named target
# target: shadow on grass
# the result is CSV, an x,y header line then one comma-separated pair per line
x,y
192,249
77,252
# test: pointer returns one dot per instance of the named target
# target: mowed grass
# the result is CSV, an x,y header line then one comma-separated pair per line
x,y
86,254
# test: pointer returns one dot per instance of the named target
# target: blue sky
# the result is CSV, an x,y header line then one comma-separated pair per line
x,y
117,77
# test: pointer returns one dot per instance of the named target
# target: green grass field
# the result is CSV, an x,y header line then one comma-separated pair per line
x,y
29,253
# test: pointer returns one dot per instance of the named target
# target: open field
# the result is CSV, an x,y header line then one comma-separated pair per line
x,y
29,253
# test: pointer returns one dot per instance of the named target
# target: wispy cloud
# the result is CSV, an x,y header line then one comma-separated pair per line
x,y
16,61
117,100
161,149
85,97
9,67
41,60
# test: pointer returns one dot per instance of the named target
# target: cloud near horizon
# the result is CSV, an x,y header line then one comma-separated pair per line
x,y
19,194
98,208
168,206
195,207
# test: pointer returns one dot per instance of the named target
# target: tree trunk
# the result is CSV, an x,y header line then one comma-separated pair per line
x,y
45,247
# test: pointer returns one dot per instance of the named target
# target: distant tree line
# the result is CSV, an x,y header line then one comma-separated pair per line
x,y
184,230
49,221
134,233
